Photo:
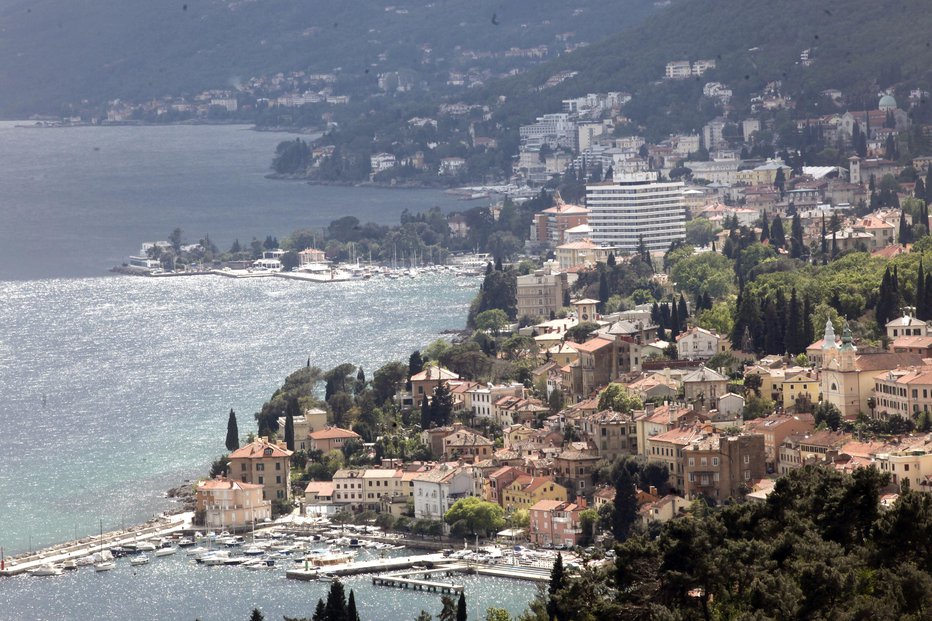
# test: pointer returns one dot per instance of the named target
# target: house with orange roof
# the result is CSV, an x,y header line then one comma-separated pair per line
x,y
467,446
797,450
437,490
425,382
921,345
576,468
332,438
551,224
526,491
667,448
903,392
264,463
500,479
595,368
775,429
229,504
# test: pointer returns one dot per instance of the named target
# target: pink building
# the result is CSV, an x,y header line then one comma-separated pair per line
x,y
555,523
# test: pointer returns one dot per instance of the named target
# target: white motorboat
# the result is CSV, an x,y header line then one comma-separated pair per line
x,y
165,551
214,558
184,542
142,559
69,564
198,551
145,546
254,551
106,566
46,570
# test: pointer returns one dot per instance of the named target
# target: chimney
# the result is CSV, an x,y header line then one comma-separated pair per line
x,y
648,409
652,490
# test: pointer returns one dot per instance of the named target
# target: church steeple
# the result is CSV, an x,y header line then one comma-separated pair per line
x,y
828,339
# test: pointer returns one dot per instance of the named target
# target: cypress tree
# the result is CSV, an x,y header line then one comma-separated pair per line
x,y
884,306
921,310
904,237
797,245
351,613
928,183
920,191
320,612
232,432
834,245
683,312
777,236
557,582
927,290
824,242
289,431
808,330
415,364
773,338
426,417
610,261
335,608
603,292
764,227
795,337
461,608
626,507
674,321
655,313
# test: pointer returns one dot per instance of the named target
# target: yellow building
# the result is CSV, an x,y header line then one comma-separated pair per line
x,y
805,385
264,463
526,491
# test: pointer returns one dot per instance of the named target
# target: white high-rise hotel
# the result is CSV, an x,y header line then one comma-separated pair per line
x,y
633,206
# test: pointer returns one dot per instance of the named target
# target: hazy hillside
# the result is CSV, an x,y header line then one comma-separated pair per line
x,y
56,51
853,43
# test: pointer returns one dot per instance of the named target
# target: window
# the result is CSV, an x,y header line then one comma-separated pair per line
x,y
260,467
747,459
278,479
261,480
278,465
243,466
715,461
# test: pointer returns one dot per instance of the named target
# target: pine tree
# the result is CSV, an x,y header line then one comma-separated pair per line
x,y
461,608
441,408
777,236
415,364
360,382
232,432
779,182
256,615
764,227
289,431
921,311
610,261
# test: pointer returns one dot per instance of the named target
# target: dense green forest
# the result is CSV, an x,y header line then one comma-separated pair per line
x,y
56,52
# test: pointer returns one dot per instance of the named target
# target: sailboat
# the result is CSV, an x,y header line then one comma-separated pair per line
x,y
105,563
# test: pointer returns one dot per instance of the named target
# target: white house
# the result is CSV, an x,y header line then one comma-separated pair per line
x,y
906,326
731,404
699,344
437,490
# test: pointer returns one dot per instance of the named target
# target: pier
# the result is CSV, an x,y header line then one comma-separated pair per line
x,y
408,580
168,525
365,567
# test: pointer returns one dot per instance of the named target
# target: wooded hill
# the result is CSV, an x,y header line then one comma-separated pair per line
x,y
56,52
857,46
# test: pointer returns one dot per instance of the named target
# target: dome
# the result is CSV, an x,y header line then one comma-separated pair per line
x,y
887,102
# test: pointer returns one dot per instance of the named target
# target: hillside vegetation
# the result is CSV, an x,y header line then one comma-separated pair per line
x,y
857,46
56,52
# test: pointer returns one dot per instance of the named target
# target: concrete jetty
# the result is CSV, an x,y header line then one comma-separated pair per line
x,y
162,527
412,580
365,567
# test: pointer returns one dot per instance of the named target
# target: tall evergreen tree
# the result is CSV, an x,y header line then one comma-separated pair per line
x,y
603,291
928,183
351,612
904,236
834,245
824,242
797,245
256,615
795,339
921,311
779,182
674,321
461,607
360,382
773,337
610,261
886,299
232,432
336,602
808,330
557,582
441,409
920,191
426,417
777,235
683,312
764,227
320,612
415,364
289,431
927,290
626,506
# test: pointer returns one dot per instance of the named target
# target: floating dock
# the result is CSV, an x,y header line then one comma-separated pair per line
x,y
365,567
